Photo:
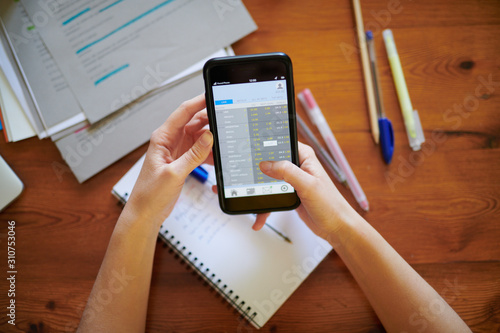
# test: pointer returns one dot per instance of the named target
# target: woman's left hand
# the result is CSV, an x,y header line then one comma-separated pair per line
x,y
176,148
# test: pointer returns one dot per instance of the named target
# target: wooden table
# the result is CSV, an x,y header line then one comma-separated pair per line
x,y
440,207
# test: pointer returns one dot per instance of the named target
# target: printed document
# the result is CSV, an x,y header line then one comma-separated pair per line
x,y
113,52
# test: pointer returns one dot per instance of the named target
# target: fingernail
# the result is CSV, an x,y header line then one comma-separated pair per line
x,y
206,139
265,166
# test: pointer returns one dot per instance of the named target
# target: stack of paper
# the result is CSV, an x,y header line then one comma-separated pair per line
x,y
12,102
100,76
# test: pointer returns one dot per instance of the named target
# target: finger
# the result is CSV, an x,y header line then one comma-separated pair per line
x,y
198,133
289,172
195,155
210,159
199,120
184,113
214,189
305,152
260,221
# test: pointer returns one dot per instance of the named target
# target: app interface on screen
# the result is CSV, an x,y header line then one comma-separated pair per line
x,y
252,125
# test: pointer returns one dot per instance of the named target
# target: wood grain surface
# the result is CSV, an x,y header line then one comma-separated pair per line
x,y
439,208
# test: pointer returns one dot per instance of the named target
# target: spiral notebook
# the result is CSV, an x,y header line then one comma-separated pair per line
x,y
254,271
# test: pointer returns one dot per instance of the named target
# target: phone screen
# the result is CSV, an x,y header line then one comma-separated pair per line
x,y
252,122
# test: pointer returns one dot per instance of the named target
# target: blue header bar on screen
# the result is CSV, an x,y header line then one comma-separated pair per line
x,y
224,102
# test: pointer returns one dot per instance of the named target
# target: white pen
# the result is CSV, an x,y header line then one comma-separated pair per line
x,y
316,116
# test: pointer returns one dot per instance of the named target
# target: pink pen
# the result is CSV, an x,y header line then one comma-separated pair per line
x,y
316,116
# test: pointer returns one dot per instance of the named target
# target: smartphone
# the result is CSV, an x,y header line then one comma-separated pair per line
x,y
251,112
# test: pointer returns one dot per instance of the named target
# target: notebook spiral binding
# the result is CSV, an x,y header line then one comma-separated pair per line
x,y
204,273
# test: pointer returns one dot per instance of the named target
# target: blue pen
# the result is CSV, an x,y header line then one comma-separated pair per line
x,y
384,124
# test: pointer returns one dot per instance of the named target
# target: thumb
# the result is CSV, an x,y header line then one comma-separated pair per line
x,y
196,155
287,171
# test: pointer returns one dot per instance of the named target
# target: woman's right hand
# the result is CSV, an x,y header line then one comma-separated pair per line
x,y
322,208
394,288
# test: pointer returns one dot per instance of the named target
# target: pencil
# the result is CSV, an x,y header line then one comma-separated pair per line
x,y
285,238
277,232
370,93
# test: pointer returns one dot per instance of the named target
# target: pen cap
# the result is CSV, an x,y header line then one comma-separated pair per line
x,y
309,103
200,174
386,139
308,98
416,142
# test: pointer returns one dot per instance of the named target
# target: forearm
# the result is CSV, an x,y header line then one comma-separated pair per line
x,y
118,301
402,299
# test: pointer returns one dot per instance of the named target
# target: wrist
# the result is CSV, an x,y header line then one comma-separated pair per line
x,y
140,221
346,223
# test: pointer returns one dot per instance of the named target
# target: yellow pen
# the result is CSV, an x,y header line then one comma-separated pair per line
x,y
411,118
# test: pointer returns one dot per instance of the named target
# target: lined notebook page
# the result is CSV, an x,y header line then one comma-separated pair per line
x,y
255,271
